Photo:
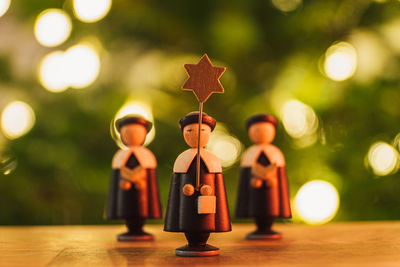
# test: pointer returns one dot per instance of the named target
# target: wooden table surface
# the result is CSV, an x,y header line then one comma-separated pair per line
x,y
339,244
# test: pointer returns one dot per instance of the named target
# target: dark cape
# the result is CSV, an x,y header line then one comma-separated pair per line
x,y
264,201
182,213
133,203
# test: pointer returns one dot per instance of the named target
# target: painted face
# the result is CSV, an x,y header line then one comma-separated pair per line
x,y
133,134
190,133
262,133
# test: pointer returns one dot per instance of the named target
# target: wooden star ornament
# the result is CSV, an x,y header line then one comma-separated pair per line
x,y
203,79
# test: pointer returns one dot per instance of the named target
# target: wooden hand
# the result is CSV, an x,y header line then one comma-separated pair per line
x,y
260,173
188,190
136,176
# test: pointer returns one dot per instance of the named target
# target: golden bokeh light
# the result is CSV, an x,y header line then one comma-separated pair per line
x,y
91,10
340,61
383,158
133,108
299,119
17,119
391,32
373,57
286,5
225,146
146,70
396,142
52,71
82,65
316,202
78,67
4,5
52,27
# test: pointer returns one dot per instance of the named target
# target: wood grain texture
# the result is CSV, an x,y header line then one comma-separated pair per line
x,y
203,79
340,244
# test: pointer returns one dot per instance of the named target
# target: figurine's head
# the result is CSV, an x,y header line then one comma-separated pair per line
x,y
261,128
133,130
190,128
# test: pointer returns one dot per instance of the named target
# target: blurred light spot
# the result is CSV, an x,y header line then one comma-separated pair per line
x,y
17,119
52,27
340,61
173,71
317,202
226,147
133,108
82,65
298,119
146,71
91,10
52,71
383,159
372,55
286,5
78,67
4,5
391,32
396,142
8,164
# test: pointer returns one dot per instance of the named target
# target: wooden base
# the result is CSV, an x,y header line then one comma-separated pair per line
x,y
127,237
197,251
264,236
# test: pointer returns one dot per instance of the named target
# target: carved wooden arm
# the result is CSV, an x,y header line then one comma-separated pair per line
x,y
260,173
136,176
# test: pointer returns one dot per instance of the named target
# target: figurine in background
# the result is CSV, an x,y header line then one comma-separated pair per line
x,y
133,194
197,211
263,188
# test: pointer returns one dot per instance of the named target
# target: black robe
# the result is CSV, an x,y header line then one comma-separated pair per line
x,y
133,203
264,201
182,213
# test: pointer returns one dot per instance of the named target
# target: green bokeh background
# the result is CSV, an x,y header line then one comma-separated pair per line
x,y
63,169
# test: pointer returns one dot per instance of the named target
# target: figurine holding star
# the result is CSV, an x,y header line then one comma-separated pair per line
x,y
197,202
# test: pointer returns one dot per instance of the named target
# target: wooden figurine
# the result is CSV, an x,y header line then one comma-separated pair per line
x,y
263,187
197,210
197,203
133,194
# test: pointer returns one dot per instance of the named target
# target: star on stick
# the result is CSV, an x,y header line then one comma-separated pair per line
x,y
203,79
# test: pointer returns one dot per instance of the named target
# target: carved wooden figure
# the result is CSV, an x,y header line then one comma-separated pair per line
x,y
263,187
133,194
197,211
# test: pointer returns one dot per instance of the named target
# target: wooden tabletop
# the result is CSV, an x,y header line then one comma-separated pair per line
x,y
339,244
